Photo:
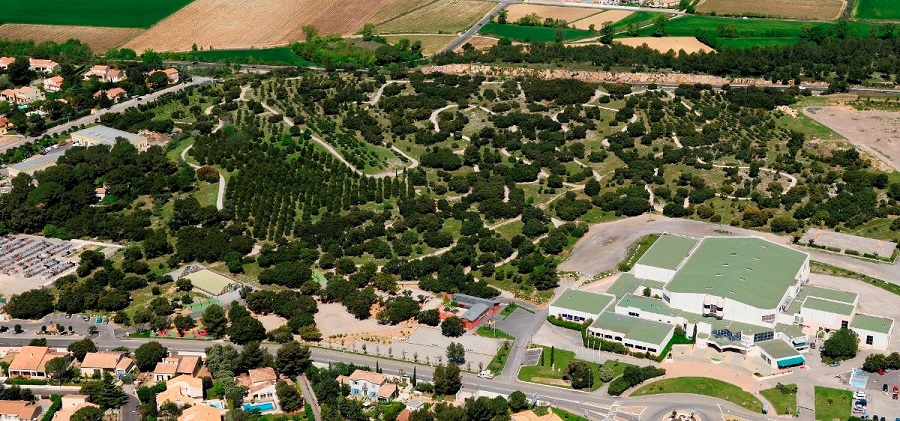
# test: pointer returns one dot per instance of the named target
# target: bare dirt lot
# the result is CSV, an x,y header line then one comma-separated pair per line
x,y
600,18
481,43
875,131
568,14
688,44
431,44
794,9
443,17
100,39
234,24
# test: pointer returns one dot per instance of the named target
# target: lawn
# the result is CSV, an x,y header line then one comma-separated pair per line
x,y
782,403
499,361
878,9
703,386
832,403
275,56
552,374
109,13
532,33
511,308
568,416
489,332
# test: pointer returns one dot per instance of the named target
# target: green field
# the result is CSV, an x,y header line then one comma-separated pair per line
x,y
782,402
639,18
878,9
532,33
110,13
749,32
832,403
703,386
553,374
275,56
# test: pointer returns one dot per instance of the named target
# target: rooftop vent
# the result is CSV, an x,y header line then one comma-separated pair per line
x,y
749,269
718,274
734,253
725,265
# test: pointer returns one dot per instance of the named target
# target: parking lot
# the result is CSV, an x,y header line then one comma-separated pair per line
x,y
879,402
30,261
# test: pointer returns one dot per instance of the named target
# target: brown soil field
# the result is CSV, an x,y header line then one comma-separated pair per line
x,y
395,8
599,19
235,24
875,131
431,44
442,17
100,39
481,43
688,44
568,14
793,9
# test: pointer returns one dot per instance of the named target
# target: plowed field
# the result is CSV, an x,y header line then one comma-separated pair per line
x,y
100,39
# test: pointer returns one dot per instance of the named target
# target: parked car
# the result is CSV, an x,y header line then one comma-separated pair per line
x,y
834,363
486,374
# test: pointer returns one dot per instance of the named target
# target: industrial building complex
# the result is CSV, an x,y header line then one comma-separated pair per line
x,y
742,294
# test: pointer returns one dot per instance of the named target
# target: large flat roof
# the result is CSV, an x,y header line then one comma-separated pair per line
x,y
828,306
634,328
107,135
828,294
627,283
37,161
778,349
583,301
750,270
650,305
872,323
668,251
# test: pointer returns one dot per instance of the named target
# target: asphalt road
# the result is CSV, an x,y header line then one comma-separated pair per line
x,y
116,108
475,28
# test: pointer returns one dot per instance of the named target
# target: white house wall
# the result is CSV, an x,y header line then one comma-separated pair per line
x,y
880,340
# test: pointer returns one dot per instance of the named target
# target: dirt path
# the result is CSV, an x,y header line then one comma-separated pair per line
x,y
434,116
220,198
380,91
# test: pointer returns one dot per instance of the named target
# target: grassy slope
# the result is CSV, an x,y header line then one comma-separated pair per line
x,y
532,33
111,13
703,386
832,403
542,373
782,403
878,9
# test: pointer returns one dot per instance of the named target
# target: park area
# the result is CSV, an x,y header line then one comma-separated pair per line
x,y
703,386
109,13
550,368
790,9
878,9
782,397
832,404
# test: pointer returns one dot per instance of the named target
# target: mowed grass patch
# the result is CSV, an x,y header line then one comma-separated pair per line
x,y
784,403
275,56
637,18
552,374
106,13
832,403
703,386
878,9
533,33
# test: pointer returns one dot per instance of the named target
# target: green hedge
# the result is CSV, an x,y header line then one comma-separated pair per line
x,y
633,376
565,323
26,382
57,403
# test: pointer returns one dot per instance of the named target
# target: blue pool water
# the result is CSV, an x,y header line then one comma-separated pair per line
x,y
215,404
261,407
858,379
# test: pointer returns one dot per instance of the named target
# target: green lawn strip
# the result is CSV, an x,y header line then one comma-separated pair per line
x,y
826,269
499,361
568,416
552,374
511,308
703,386
638,18
782,403
105,13
832,403
637,250
489,332
878,9
532,33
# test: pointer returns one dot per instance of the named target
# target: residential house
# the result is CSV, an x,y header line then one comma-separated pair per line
x,y
6,61
53,84
201,412
115,94
31,361
260,384
366,384
531,416
19,411
70,405
22,96
172,74
105,74
181,390
5,125
174,366
97,363
40,65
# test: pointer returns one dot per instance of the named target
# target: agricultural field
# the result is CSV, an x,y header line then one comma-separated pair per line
x,y
431,44
108,13
878,9
600,18
481,43
532,33
568,14
636,18
396,8
210,24
275,56
789,9
99,38
443,17
664,44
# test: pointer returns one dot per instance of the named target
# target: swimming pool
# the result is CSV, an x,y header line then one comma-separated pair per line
x,y
215,404
261,407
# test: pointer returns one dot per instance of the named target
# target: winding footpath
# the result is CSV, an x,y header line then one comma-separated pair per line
x,y
220,197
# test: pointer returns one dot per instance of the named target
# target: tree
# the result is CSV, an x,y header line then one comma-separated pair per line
x,y
214,321
292,359
447,380
246,329
842,345
80,348
502,16
453,327
456,353
580,374
288,397
518,401
148,354
253,356
57,367
660,24
32,304
184,322
222,358
88,413
111,395
606,37
430,317
606,374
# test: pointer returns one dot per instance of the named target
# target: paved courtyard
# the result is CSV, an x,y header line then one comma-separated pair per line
x,y
427,344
